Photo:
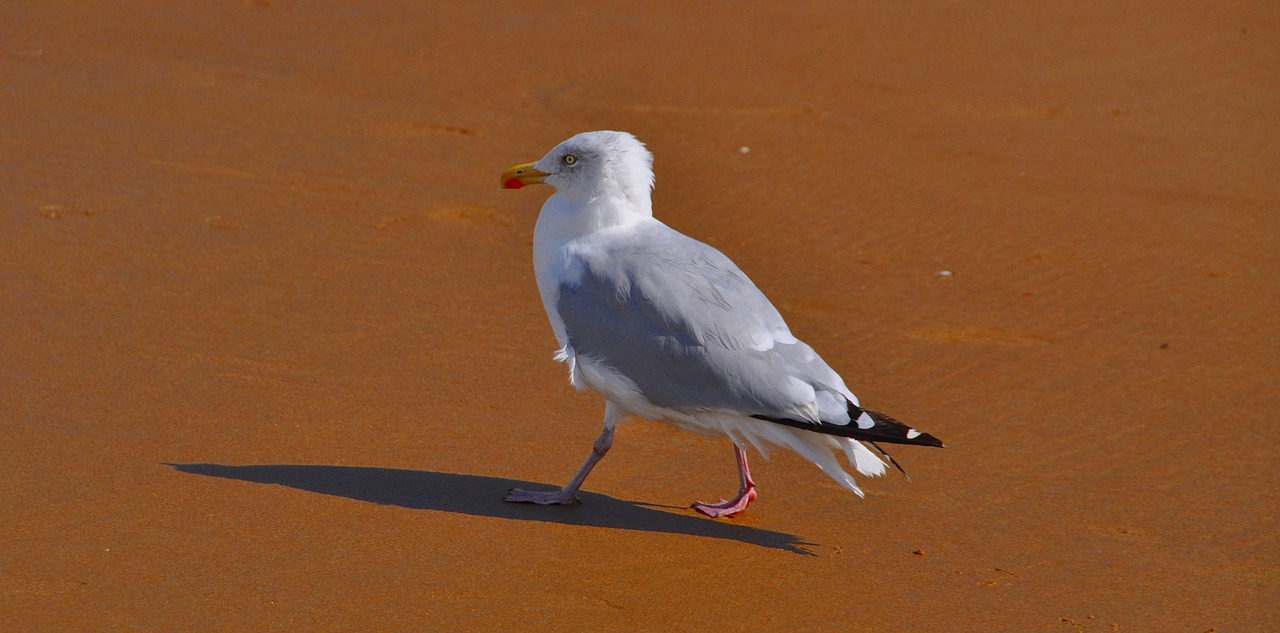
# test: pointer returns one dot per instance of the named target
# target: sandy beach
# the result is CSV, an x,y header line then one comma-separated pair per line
x,y
271,350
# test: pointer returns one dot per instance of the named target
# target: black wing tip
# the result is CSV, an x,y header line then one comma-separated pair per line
x,y
905,437
887,429
924,439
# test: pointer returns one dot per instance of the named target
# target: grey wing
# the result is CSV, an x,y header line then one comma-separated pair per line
x,y
682,322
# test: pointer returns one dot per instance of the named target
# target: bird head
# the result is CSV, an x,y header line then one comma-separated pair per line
x,y
591,165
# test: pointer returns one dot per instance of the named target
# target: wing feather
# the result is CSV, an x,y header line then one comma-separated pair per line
x,y
684,324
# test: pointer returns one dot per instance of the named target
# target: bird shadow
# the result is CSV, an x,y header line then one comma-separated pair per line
x,y
478,495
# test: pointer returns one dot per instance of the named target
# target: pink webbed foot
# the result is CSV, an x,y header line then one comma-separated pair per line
x,y
727,508
551,498
746,492
568,495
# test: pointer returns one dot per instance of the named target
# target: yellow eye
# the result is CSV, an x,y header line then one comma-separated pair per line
x,y
570,159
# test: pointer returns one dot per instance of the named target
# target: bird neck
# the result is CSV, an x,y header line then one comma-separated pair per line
x,y
571,218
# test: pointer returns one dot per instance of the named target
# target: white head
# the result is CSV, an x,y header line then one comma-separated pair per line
x,y
591,166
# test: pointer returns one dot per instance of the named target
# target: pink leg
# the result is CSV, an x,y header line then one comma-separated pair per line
x,y
569,493
746,492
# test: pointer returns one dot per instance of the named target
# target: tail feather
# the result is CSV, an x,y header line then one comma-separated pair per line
x,y
891,460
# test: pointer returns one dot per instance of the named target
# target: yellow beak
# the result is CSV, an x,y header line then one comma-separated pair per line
x,y
521,175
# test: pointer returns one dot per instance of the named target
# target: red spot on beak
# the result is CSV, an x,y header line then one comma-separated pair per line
x,y
514,183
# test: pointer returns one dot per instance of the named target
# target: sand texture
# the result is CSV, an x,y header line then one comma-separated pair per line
x,y
271,350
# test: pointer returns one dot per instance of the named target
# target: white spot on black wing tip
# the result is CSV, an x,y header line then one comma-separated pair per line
x,y
865,421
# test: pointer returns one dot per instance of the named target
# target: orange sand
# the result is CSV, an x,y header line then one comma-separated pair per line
x,y
271,350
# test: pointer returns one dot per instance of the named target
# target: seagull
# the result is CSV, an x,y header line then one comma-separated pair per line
x,y
668,329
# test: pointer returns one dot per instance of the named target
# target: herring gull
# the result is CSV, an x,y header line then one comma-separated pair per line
x,y
668,329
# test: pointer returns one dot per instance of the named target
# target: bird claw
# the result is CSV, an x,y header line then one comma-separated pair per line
x,y
555,497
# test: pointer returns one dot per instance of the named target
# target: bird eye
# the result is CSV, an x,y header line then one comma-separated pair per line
x,y
570,159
